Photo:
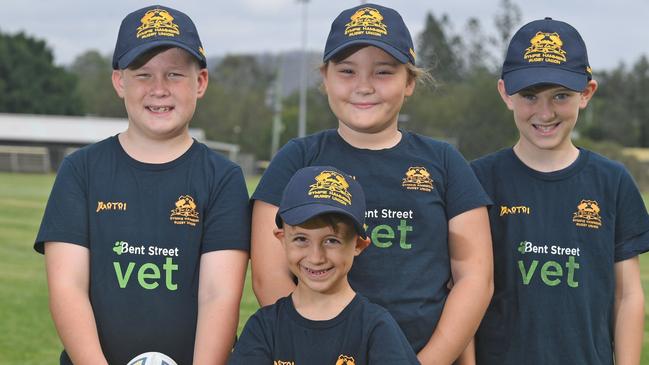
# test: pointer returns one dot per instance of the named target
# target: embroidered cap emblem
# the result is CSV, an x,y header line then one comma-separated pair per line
x,y
366,21
331,185
157,22
545,47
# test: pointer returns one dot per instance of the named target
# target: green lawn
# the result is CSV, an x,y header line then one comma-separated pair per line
x,y
27,335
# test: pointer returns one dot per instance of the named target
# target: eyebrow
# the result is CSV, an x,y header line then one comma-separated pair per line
x,y
378,63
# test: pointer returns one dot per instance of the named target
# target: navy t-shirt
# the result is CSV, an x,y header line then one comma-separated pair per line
x,y
556,239
146,226
362,334
412,190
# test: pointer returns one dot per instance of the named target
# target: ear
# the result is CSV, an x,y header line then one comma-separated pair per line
x,y
588,93
507,99
118,82
410,86
279,233
203,80
361,244
323,74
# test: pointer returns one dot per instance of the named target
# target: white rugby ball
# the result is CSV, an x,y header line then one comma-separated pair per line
x,y
152,358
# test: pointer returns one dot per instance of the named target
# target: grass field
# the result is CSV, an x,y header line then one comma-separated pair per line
x,y
27,335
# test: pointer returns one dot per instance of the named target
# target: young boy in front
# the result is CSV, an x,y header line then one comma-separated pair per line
x,y
146,233
321,227
567,224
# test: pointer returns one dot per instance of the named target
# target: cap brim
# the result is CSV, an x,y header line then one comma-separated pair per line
x,y
303,213
384,46
523,78
134,53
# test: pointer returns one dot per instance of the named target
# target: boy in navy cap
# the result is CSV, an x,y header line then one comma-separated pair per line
x,y
567,224
146,234
321,227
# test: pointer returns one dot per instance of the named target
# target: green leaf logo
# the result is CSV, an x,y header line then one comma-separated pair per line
x,y
118,247
521,247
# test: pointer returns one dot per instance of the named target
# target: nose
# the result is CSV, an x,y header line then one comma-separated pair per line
x,y
316,254
546,111
159,87
364,85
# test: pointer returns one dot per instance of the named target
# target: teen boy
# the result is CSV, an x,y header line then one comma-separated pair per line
x,y
146,233
567,224
320,220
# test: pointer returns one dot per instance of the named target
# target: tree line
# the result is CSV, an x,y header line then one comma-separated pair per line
x,y
462,104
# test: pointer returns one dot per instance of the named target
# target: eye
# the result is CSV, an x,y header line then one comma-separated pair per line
x,y
561,96
300,241
346,71
528,96
332,241
385,72
175,75
142,75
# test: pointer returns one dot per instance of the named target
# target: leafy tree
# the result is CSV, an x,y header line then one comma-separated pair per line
x,y
30,82
95,87
506,21
437,51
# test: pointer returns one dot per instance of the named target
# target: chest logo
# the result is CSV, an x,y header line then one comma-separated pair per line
x,y
587,214
103,206
185,211
521,209
331,185
417,178
280,362
345,360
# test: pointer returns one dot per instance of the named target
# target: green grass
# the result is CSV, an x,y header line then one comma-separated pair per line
x,y
27,334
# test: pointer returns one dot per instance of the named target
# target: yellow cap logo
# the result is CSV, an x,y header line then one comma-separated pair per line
x,y
545,47
331,185
345,360
157,22
366,21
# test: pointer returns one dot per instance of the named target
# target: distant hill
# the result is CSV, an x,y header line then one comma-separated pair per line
x,y
290,64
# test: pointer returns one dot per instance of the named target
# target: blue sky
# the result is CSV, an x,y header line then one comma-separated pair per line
x,y
614,31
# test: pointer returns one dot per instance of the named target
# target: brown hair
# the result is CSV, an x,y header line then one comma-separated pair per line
x,y
340,224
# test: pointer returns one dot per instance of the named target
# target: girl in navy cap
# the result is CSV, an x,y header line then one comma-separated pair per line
x,y
567,224
426,214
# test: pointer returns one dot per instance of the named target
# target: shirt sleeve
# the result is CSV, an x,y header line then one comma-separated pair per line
x,y
66,214
227,223
254,346
631,221
388,345
288,160
463,190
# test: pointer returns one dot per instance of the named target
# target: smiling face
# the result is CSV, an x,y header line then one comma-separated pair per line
x,y
319,256
366,89
160,95
546,116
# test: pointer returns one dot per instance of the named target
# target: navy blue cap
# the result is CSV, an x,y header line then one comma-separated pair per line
x,y
370,24
152,27
317,190
546,51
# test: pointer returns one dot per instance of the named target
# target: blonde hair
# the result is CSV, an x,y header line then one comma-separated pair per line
x,y
418,74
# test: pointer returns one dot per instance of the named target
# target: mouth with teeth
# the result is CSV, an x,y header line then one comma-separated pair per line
x,y
159,109
546,128
316,274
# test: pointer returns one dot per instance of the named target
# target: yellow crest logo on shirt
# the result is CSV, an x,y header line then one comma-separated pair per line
x,y
331,185
366,21
185,211
417,178
157,22
587,214
280,362
545,47
345,360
